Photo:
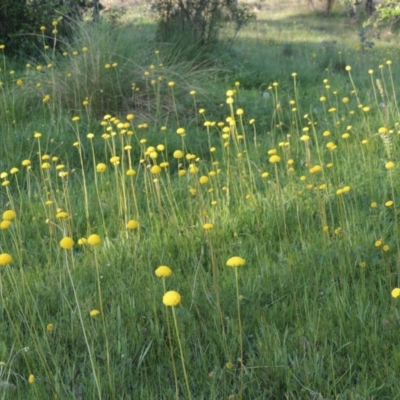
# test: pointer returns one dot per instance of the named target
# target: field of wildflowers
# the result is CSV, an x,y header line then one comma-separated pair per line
x,y
176,231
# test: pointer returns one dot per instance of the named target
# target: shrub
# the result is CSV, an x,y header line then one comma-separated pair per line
x,y
198,20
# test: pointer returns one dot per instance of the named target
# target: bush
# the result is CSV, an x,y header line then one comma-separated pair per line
x,y
198,20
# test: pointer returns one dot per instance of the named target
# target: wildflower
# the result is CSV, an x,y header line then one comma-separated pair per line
x,y
130,172
348,68
5,259
50,327
94,239
163,271
9,215
305,138
132,224
115,160
389,203
82,241
235,262
75,119
101,167
171,298
316,168
346,135
385,247
66,243
155,169
181,131
264,175
274,159
208,226
383,130
203,179
378,243
5,224
193,169
395,293
26,163
178,154
94,313
363,264
62,215
389,165
31,379
374,204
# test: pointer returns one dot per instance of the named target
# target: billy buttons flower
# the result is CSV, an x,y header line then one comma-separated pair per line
x,y
171,298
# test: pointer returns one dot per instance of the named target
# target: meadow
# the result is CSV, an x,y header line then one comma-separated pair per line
x,y
178,224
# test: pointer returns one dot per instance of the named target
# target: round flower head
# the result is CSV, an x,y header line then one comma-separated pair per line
x,y
132,224
93,240
171,298
388,165
101,167
396,293
93,313
5,259
163,271
5,224
66,243
9,215
208,226
274,159
235,262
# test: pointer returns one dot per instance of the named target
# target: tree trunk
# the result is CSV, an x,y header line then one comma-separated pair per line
x,y
369,6
328,7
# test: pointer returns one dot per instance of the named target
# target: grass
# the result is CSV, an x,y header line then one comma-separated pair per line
x,y
285,160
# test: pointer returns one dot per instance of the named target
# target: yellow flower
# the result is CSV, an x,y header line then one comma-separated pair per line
x,y
348,68
115,160
20,82
155,169
389,203
93,313
5,224
305,138
181,131
235,262
66,243
9,215
374,204
132,224
274,159
171,298
94,239
163,271
203,179
5,259
31,379
130,172
101,167
82,241
396,293
385,247
25,163
383,130
193,169
49,327
208,226
389,165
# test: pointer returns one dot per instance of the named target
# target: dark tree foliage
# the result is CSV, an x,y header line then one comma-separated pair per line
x,y
20,21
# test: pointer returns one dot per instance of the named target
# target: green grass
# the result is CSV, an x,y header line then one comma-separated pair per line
x,y
309,314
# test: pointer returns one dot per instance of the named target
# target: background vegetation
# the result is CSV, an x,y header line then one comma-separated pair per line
x,y
261,173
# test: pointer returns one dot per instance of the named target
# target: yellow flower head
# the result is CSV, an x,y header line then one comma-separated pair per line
x,y
396,293
31,379
274,159
388,165
5,259
49,327
94,239
208,226
101,167
94,313
163,271
235,262
132,224
9,215
5,224
171,298
66,243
